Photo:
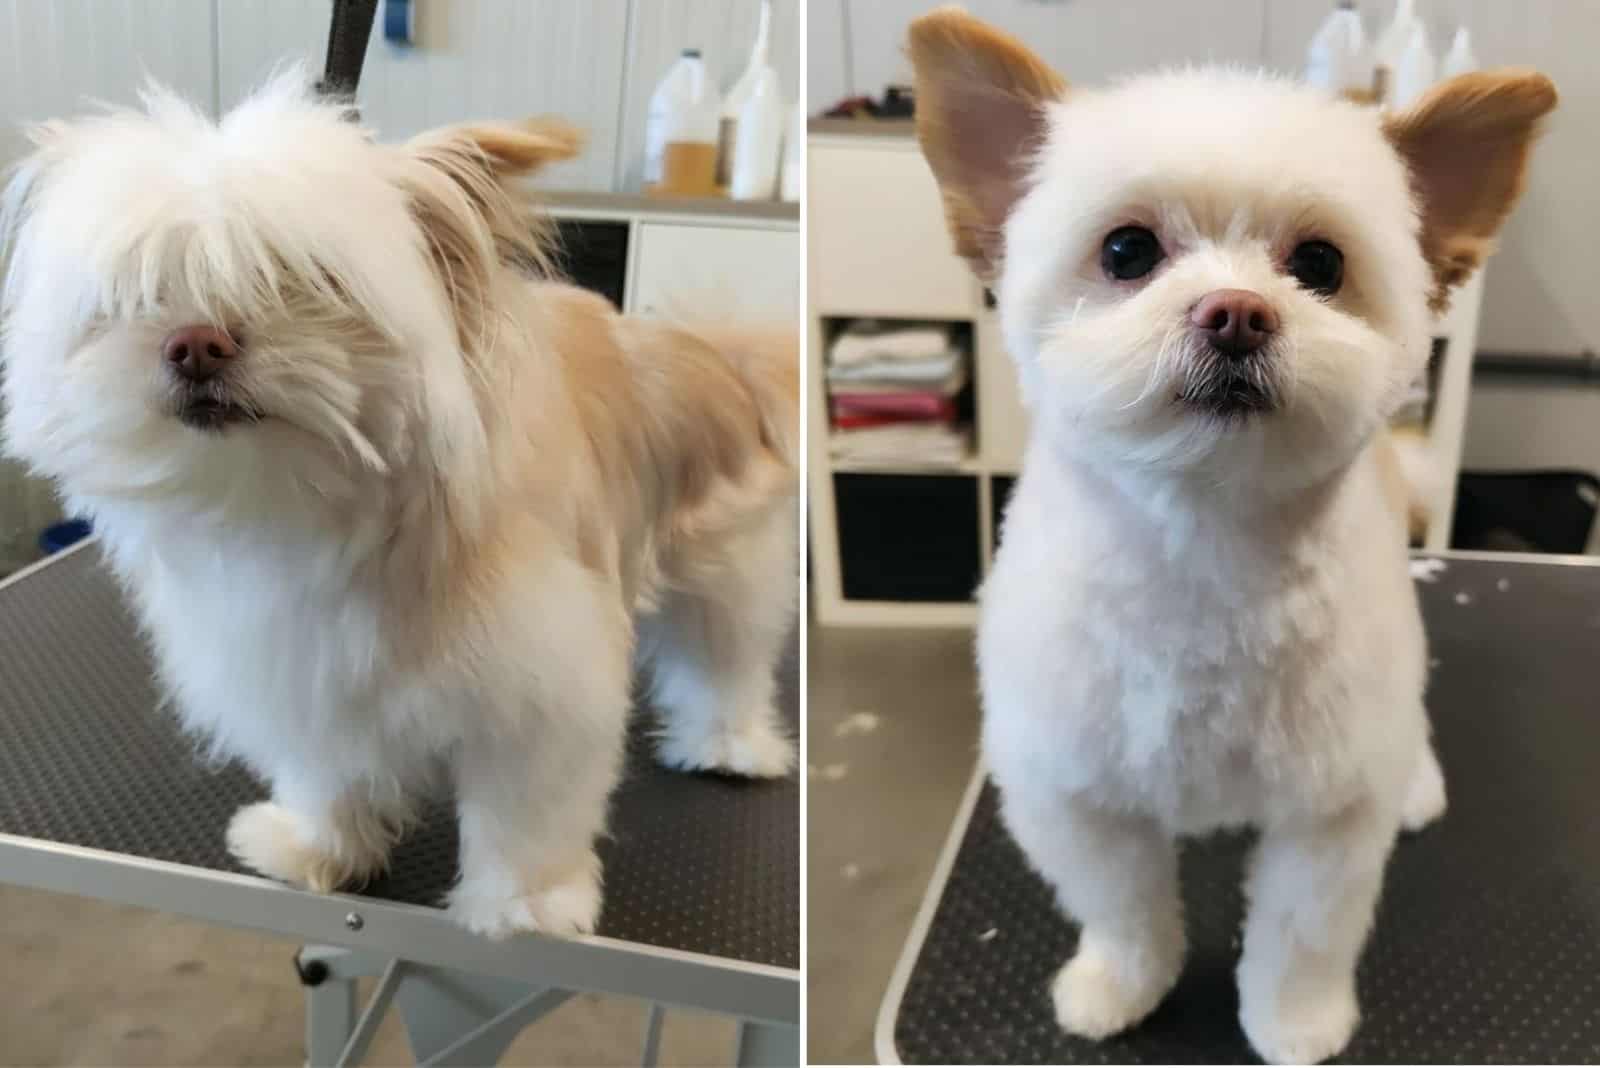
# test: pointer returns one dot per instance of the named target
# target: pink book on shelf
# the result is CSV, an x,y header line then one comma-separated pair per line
x,y
912,405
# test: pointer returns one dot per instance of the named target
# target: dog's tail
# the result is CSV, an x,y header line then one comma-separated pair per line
x,y
1412,476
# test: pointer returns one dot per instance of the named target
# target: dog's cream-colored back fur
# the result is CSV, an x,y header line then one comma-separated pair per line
x,y
455,498
1200,615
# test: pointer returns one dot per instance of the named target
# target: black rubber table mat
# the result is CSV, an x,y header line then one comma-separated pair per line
x,y
695,862
1487,943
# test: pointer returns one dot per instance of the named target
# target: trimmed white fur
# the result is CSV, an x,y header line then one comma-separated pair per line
x,y
1195,622
424,561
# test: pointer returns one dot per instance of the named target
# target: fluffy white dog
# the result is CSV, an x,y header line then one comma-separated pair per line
x,y
1217,287
391,507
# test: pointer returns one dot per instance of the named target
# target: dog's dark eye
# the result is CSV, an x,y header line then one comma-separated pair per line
x,y
1318,266
1130,252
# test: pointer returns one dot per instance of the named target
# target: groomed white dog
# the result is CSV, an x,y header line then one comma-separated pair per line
x,y
1217,287
392,508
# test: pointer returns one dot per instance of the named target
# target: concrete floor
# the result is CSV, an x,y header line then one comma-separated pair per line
x,y
880,803
86,983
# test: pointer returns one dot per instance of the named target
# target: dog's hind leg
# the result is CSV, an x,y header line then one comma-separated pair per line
x,y
712,651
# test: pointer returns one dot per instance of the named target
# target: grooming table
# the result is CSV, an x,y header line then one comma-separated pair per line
x,y
100,795
1487,942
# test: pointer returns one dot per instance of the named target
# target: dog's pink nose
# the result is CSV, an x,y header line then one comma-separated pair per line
x,y
198,351
1235,321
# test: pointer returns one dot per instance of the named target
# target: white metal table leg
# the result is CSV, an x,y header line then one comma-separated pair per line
x,y
330,1017
485,1043
329,974
651,1054
366,1028
767,1045
439,1006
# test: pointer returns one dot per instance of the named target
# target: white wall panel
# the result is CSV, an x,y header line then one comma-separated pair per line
x,y
472,59
508,59
56,56
1087,40
723,30
827,58
256,36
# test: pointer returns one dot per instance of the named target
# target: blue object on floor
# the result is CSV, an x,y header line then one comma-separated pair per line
x,y
59,536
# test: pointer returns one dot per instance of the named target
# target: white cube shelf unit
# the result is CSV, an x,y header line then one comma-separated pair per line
x,y
907,545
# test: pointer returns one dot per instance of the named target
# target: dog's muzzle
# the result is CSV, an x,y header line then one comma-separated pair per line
x,y
1229,386
1229,373
201,359
212,413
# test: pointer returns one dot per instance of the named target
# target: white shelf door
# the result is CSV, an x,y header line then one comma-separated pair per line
x,y
705,272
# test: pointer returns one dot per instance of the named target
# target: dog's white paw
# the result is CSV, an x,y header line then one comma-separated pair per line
x,y
568,906
756,749
1308,1030
1096,999
270,839
1425,796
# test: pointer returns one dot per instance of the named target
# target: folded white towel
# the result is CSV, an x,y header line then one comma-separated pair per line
x,y
902,343
928,369
911,444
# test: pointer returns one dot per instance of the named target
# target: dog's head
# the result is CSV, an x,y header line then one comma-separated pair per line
x,y
228,313
1213,271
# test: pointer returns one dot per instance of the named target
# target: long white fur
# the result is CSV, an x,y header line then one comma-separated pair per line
x,y
1196,623
295,575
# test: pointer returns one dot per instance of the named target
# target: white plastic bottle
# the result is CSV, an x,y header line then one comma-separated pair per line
x,y
1391,48
793,151
733,103
1416,71
1460,58
680,134
1338,59
758,141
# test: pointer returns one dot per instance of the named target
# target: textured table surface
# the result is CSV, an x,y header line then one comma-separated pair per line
x,y
697,863
1487,944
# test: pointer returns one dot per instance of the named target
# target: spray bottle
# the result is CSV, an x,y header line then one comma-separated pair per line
x,y
739,95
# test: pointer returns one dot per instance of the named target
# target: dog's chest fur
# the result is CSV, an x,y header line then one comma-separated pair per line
x,y
1153,660
274,648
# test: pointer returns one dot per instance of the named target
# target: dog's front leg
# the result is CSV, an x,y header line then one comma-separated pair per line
x,y
319,831
1425,795
540,750
530,809
1117,875
1312,892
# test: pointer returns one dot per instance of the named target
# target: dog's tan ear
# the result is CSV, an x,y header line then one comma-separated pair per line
x,y
472,218
509,148
981,97
1467,144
